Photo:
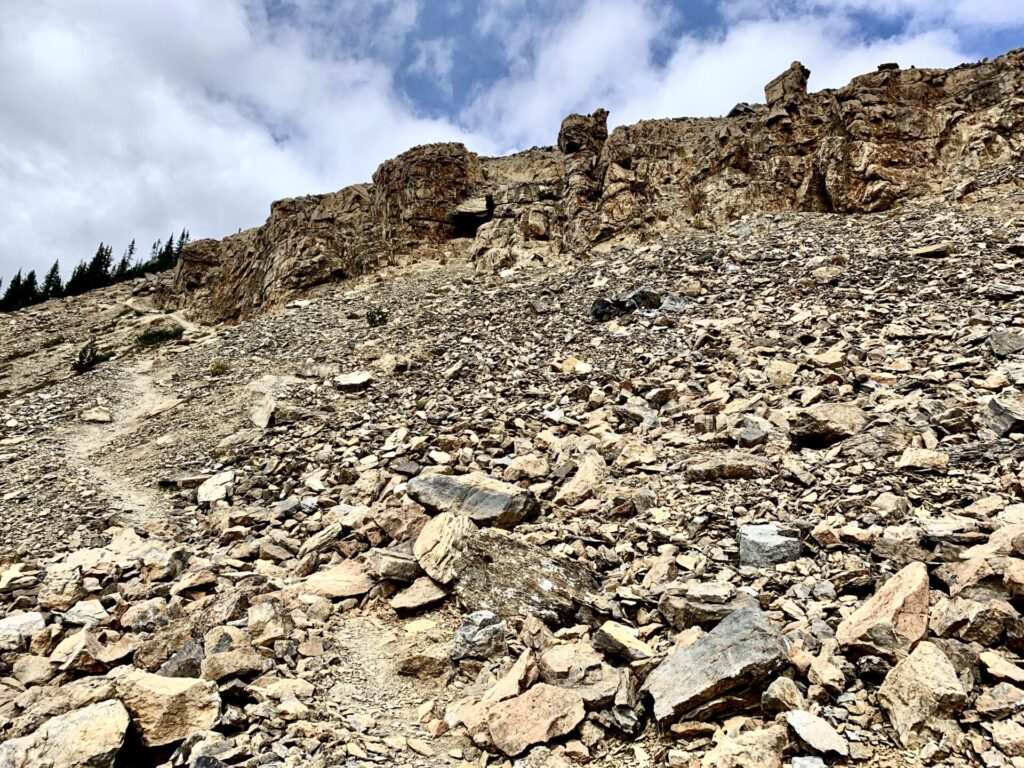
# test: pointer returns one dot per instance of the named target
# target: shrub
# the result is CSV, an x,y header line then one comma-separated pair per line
x,y
219,367
376,317
89,357
158,334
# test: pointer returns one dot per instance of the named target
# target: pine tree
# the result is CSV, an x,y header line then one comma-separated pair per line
x,y
166,258
183,239
53,287
98,271
78,283
30,290
9,302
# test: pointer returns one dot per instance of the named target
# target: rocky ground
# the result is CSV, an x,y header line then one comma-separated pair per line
x,y
749,496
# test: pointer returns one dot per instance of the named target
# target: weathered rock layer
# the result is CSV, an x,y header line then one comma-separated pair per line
x,y
887,136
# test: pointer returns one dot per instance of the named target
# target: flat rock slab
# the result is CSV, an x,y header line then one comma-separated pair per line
x,y
817,733
744,650
733,465
543,713
480,497
349,579
421,593
511,578
353,382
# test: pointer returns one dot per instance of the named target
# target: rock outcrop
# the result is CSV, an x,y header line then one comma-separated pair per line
x,y
887,136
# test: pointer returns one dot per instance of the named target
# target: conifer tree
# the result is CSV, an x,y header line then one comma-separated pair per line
x,y
9,302
29,290
98,271
78,283
53,287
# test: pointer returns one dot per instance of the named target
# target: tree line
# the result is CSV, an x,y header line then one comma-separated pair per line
x,y
99,272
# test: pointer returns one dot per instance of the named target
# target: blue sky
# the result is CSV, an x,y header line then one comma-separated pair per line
x,y
130,119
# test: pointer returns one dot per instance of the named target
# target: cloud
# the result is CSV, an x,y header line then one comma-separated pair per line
x,y
604,57
435,60
127,119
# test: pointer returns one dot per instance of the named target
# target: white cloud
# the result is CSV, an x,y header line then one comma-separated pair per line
x,y
128,118
435,60
603,56
134,118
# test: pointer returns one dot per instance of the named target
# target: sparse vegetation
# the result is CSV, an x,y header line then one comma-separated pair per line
x,y
376,317
159,334
89,357
219,366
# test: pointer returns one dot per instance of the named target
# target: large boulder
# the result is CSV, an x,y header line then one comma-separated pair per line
x,y
738,655
543,713
89,737
922,696
168,709
482,498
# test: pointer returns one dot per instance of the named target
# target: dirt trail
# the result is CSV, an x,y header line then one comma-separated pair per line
x,y
140,504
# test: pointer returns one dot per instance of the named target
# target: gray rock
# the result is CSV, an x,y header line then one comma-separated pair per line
x,y
353,382
480,497
1006,414
743,651
512,578
187,661
1004,343
765,545
481,636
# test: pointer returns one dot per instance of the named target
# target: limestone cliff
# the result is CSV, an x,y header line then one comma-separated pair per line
x,y
887,136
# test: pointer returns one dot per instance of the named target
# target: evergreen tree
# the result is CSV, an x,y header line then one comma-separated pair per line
x,y
78,283
53,287
124,267
98,271
11,296
166,258
183,239
29,290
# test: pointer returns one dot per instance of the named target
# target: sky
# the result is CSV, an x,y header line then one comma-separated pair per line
x,y
133,119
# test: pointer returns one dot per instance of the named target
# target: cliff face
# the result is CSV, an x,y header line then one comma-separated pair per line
x,y
887,136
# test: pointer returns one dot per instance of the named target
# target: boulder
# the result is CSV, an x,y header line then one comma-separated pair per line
x,y
168,709
619,641
509,577
439,544
481,636
767,545
891,621
90,737
824,424
482,498
922,696
741,653
543,713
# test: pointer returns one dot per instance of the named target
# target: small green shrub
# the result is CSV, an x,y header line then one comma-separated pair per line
x,y
219,367
158,334
376,317
89,357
